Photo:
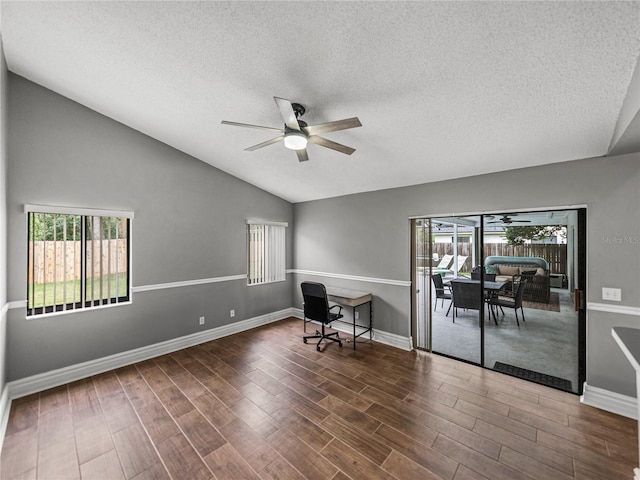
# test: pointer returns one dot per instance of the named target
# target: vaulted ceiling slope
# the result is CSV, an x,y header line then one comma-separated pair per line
x,y
443,89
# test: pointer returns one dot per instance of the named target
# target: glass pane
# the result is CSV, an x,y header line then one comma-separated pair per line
x,y
536,336
458,303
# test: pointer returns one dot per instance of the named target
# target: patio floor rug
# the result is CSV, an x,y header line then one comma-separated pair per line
x,y
552,306
541,378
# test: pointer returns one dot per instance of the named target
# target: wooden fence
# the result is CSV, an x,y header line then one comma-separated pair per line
x,y
554,254
44,256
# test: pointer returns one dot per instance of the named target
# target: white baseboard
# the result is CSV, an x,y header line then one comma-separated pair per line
x,y
610,401
387,338
72,373
61,376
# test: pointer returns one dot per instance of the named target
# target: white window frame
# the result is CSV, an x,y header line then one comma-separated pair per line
x,y
85,304
266,251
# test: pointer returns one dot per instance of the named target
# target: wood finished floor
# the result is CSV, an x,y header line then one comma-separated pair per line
x,y
263,405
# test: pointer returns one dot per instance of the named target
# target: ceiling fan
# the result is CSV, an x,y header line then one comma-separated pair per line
x,y
506,219
296,133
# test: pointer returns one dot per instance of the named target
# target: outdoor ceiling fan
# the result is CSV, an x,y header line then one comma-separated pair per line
x,y
508,220
296,133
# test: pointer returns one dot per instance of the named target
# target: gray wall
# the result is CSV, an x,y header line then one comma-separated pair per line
x,y
3,215
189,225
368,235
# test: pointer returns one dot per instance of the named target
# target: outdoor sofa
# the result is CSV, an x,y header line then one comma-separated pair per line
x,y
536,269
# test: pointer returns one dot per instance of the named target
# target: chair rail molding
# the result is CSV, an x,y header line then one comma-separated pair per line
x,y
385,281
609,308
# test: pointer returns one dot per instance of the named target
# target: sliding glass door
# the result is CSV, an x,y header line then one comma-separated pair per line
x,y
504,291
445,249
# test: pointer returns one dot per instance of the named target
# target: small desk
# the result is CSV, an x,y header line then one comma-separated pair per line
x,y
628,339
353,299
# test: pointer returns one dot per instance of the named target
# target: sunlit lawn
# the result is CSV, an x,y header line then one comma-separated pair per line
x,y
54,293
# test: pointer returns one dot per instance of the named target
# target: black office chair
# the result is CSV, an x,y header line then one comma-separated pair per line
x,y
316,308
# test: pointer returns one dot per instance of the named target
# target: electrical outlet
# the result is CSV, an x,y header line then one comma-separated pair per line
x,y
232,313
612,294
357,315
201,320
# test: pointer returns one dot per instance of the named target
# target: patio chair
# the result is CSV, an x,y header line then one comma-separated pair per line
x,y
444,262
513,301
467,296
442,291
459,264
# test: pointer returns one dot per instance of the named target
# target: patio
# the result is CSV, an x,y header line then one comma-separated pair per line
x,y
546,342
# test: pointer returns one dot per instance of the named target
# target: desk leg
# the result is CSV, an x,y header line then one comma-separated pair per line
x,y
354,326
370,321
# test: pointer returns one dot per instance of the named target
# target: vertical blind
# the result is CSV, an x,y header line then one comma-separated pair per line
x,y
266,252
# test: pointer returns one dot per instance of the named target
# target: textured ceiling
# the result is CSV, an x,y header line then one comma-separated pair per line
x,y
443,89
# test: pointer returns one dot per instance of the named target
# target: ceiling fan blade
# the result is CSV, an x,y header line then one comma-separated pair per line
x,y
288,115
265,144
260,127
332,145
302,155
333,126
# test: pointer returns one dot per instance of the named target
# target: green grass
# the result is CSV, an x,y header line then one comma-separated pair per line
x,y
43,293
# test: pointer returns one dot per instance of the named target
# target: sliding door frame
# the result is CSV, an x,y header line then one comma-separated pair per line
x,y
580,290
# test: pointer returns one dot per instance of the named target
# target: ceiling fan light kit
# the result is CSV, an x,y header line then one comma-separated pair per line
x,y
295,140
296,133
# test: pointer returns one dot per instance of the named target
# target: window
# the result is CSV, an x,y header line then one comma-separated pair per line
x,y
77,258
266,252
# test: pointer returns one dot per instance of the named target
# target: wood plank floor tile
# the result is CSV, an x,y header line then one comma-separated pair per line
x,y
350,414
93,438
403,468
174,401
204,438
214,410
103,467
534,450
353,463
135,450
508,423
294,423
227,464
127,374
55,426
465,473
366,445
54,398
615,466
23,414
262,404
157,472
156,378
255,417
19,452
59,460
588,441
256,451
492,405
181,460
403,424
476,461
306,407
456,416
280,469
158,423
302,457
534,468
